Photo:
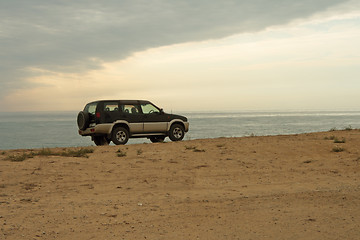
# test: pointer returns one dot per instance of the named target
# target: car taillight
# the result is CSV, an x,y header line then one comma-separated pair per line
x,y
98,115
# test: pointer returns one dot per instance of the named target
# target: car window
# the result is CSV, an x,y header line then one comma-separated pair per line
x,y
111,106
130,109
90,108
149,108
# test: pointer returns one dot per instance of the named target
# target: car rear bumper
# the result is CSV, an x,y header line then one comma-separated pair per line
x,y
100,129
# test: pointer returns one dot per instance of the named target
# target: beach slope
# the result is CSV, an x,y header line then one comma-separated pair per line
x,y
303,186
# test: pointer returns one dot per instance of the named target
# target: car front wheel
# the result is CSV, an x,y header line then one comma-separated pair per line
x,y
177,132
120,136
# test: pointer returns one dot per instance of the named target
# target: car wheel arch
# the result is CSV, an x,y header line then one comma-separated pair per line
x,y
120,124
175,121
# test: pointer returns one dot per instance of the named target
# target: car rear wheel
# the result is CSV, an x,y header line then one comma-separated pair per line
x,y
120,136
101,140
177,132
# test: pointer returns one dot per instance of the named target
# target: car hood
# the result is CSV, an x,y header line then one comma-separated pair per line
x,y
175,116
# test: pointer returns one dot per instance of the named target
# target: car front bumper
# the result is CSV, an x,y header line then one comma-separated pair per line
x,y
186,125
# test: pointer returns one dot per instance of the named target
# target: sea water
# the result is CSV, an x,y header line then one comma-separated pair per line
x,y
59,129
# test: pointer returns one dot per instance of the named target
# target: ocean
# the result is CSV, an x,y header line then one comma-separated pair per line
x,y
27,130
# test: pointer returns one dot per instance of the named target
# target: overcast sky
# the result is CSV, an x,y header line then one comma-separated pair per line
x,y
182,55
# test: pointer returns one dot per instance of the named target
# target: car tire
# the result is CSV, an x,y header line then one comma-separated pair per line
x,y
83,120
176,132
157,139
120,136
101,141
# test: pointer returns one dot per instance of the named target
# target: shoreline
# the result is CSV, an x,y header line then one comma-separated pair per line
x,y
184,140
302,186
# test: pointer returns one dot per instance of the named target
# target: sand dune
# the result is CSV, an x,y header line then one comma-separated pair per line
x,y
274,187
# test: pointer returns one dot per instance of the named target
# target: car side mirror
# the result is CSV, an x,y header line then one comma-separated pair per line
x,y
161,111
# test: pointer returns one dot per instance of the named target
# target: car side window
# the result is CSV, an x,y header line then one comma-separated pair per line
x,y
111,106
149,108
130,109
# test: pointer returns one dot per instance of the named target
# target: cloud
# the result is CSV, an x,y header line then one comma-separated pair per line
x,y
78,36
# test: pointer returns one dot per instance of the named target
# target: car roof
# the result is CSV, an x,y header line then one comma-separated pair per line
x,y
124,101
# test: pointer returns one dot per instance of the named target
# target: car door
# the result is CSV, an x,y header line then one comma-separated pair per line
x,y
155,121
131,113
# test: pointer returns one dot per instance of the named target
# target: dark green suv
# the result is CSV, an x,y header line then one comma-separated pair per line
x,y
119,120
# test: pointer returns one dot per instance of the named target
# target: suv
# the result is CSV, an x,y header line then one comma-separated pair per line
x,y
119,120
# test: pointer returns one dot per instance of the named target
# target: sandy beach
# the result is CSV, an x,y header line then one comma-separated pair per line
x,y
304,186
